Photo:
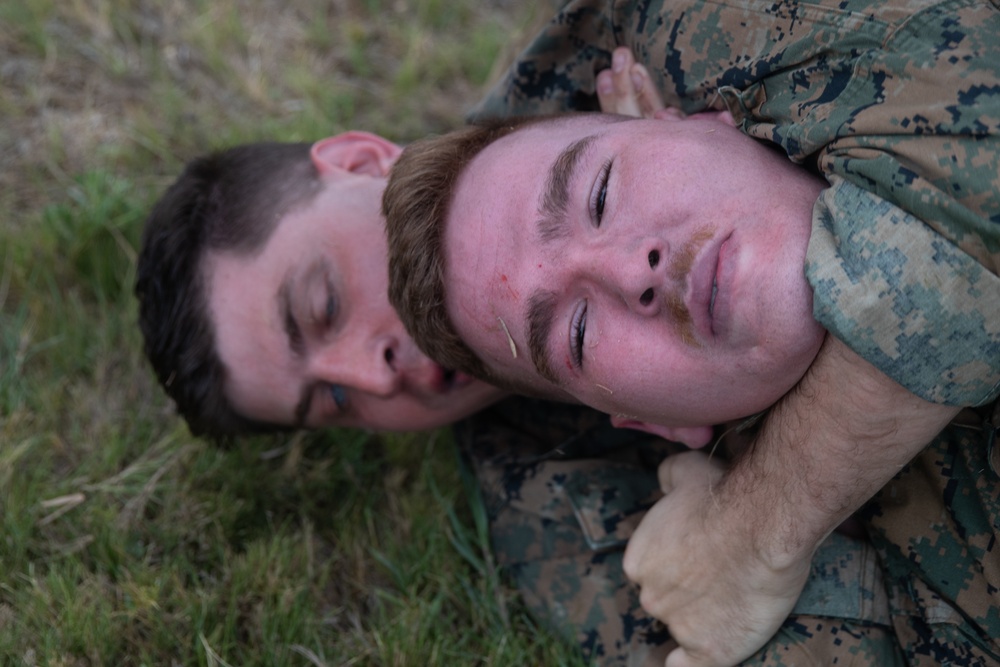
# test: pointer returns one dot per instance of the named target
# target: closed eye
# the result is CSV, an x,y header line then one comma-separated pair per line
x,y
330,311
577,334
599,193
339,396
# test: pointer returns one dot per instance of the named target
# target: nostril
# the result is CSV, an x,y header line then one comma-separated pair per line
x,y
654,258
389,355
646,297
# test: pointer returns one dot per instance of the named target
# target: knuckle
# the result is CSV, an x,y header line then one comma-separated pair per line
x,y
630,566
648,601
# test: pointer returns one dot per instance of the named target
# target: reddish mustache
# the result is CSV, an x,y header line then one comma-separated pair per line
x,y
680,267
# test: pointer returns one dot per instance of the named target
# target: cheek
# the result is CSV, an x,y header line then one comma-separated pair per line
x,y
472,399
411,413
403,412
626,357
804,349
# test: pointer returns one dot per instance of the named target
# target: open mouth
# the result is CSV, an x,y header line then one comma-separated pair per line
x,y
705,288
719,303
448,380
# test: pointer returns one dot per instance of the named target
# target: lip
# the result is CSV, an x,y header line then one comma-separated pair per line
x,y
724,288
444,380
707,300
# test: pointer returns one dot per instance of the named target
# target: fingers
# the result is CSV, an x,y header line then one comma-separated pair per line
x,y
672,113
679,658
686,467
650,100
627,88
615,90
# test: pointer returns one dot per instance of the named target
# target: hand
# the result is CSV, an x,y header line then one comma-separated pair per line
x,y
700,573
627,89
722,562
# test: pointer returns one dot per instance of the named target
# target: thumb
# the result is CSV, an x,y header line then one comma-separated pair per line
x,y
679,658
669,113
686,468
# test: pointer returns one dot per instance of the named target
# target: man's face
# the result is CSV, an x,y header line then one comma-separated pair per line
x,y
649,268
307,334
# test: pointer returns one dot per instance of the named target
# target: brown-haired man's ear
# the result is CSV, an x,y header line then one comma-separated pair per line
x,y
692,436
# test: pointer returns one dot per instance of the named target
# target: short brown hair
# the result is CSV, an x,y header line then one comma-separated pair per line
x,y
416,203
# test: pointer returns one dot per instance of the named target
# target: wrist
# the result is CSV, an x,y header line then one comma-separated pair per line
x,y
777,520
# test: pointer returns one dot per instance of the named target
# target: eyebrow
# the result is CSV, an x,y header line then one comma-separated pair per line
x,y
293,332
552,225
297,346
540,318
554,200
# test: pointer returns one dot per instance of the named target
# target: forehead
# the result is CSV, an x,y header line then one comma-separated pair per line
x,y
490,230
550,135
510,173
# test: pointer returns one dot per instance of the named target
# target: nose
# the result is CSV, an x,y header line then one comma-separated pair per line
x,y
640,276
370,366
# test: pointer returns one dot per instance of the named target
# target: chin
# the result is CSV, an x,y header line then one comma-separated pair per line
x,y
795,366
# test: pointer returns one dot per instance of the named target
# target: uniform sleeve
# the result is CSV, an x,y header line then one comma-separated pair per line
x,y
906,299
902,117
558,70
897,104
906,243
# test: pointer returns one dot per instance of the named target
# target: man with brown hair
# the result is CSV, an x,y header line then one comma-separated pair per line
x,y
908,218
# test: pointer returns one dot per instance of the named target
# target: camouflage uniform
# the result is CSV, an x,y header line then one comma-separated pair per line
x,y
564,491
897,104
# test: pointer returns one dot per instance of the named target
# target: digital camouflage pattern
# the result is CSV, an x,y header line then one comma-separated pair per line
x,y
564,491
897,103
936,527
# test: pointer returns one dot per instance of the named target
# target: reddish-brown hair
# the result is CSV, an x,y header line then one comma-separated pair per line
x,y
416,204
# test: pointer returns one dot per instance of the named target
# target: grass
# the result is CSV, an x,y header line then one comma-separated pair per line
x,y
124,540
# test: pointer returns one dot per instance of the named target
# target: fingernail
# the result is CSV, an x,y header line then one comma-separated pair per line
x,y
618,61
637,80
604,85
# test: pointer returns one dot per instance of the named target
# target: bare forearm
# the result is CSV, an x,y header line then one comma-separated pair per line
x,y
723,556
836,439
